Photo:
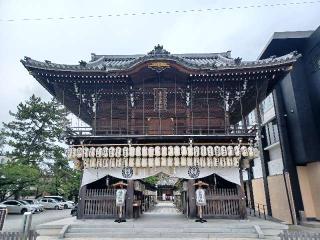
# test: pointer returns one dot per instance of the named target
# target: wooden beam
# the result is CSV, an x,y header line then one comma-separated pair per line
x,y
192,199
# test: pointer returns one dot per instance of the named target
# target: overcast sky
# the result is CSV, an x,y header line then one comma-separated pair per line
x,y
244,31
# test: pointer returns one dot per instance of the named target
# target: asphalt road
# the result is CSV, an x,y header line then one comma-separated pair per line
x,y
13,222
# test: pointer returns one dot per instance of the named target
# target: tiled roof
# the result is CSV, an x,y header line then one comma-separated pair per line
x,y
209,61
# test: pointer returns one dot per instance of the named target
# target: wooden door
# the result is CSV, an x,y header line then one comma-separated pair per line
x,y
160,126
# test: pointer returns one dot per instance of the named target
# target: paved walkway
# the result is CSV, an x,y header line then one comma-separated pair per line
x,y
163,208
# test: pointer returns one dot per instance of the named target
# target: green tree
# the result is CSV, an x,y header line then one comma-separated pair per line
x,y
36,153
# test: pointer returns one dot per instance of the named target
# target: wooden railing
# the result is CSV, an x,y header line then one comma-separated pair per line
x,y
100,203
222,202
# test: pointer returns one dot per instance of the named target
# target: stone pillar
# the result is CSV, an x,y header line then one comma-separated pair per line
x,y
129,200
192,199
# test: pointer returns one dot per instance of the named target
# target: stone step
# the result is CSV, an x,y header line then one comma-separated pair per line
x,y
161,229
163,235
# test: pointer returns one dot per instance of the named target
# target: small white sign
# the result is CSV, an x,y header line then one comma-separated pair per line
x,y
200,197
121,197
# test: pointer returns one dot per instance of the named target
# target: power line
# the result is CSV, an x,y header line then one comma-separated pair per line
x,y
132,14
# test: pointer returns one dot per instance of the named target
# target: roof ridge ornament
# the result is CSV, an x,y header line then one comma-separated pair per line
x,y
158,50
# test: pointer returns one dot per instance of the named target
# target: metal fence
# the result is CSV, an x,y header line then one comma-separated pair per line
x,y
32,235
299,235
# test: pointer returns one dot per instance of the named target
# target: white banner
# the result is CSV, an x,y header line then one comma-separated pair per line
x,y
93,174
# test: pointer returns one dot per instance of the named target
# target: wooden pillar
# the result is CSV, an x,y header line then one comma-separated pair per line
x,y
242,196
129,200
192,199
82,193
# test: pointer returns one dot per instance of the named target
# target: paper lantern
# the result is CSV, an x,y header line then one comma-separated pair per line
x,y
163,161
164,151
170,151
196,161
125,152
119,162
93,162
190,151
105,162
203,151
92,152
105,152
229,161
216,162
86,152
184,151
111,152
151,162
79,152
99,162
74,153
157,151
132,152
222,161
176,161
112,162
217,151
183,161
176,151
210,151
144,151
150,152
237,151
118,152
202,161
230,151
190,161
157,161
138,162
170,161
98,152
250,152
209,161
144,161
138,151
86,162
236,161
131,162
224,151
244,151
196,151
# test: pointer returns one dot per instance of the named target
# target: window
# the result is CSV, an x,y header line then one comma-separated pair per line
x,y
267,103
11,203
272,132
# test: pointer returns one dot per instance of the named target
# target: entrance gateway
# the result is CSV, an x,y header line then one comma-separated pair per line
x,y
182,115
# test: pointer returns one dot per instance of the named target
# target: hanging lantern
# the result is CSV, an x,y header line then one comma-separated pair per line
x,y
118,152
93,162
144,161
138,162
79,152
202,161
210,151
86,163
222,161
177,151
69,153
170,161
151,152
119,162
184,151
98,152
131,162
250,152
144,151
164,151
157,151
209,161
237,151
196,151
230,151
244,151
157,162
150,162
138,151
85,152
132,152
203,151
112,152
176,161
125,152
99,163
190,161
216,162
224,151
183,161
236,161
163,161
105,152
190,151
217,151
170,151
74,153
229,161
112,162
92,152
